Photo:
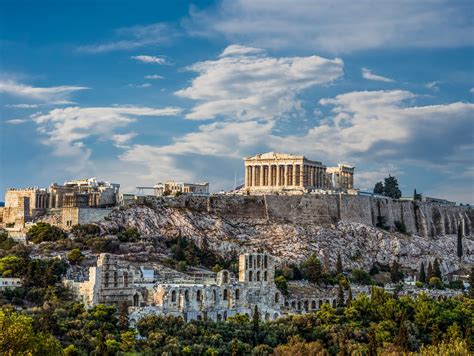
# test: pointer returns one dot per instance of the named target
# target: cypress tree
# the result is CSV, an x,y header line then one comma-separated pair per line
x,y
349,296
422,277
256,322
340,296
460,240
471,283
339,264
436,269
430,271
395,274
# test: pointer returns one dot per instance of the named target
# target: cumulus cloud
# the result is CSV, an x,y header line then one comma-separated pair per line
x,y
67,129
244,83
150,59
132,38
367,74
337,27
52,95
122,140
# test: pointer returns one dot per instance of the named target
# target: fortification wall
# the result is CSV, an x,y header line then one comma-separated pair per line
x,y
425,219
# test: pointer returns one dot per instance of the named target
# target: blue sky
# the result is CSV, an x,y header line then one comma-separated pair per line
x,y
137,92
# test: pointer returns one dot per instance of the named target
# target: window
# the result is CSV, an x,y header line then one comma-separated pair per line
x,y
225,294
237,294
258,276
265,276
198,296
277,297
214,295
225,277
186,295
250,276
173,296
265,262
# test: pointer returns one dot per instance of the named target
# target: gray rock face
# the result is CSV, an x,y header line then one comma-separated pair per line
x,y
293,227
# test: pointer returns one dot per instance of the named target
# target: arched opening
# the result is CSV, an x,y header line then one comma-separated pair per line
x,y
265,262
293,304
306,305
214,295
198,296
320,303
225,294
115,279
250,276
334,303
267,316
173,296
225,277
313,304
277,297
258,276
219,317
186,295
265,276
106,280
299,305
136,299
258,261
237,294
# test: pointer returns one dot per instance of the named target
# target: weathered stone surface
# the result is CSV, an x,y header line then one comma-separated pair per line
x,y
292,227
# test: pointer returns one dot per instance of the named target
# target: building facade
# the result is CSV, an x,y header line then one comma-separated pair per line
x,y
279,172
215,296
176,188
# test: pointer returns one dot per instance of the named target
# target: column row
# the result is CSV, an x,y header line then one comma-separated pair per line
x,y
284,175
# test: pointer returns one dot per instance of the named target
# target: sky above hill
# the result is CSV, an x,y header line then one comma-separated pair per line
x,y
137,92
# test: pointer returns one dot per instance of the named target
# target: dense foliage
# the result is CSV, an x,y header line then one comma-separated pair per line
x,y
45,232
382,324
389,188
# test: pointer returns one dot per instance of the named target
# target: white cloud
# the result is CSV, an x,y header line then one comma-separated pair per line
x,y
22,106
154,76
144,85
67,129
339,27
471,91
121,140
52,95
150,59
16,121
433,85
247,87
132,38
367,74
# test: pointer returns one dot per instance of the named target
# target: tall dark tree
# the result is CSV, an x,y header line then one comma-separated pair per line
x,y
340,296
390,188
123,316
422,276
430,271
460,240
339,264
256,323
395,273
436,269
471,283
349,296
379,188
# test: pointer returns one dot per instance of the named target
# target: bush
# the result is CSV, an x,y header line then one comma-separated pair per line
x,y
45,232
401,227
130,234
456,285
361,276
75,256
419,284
85,230
435,282
281,284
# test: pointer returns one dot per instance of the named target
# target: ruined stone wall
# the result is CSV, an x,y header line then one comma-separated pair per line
x,y
421,218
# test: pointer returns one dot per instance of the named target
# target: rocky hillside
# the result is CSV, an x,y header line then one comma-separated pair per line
x,y
234,228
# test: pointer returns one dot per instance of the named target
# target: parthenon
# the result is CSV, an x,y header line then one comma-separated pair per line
x,y
272,171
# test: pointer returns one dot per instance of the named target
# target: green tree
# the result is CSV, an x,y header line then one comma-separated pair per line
x,y
11,266
390,188
339,268
430,272
471,283
435,282
402,338
75,256
281,284
256,323
459,244
422,276
130,234
379,188
349,296
361,276
395,274
42,231
340,296
436,269
123,316
312,269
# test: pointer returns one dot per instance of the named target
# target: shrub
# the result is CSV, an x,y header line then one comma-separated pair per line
x,y
45,232
361,276
435,282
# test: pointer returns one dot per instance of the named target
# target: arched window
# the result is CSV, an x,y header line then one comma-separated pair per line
x,y
198,296
299,305
115,279
250,261
225,294
265,276
258,261
186,295
225,277
265,263
106,280
214,295
306,305
250,276
320,303
136,299
313,304
173,296
293,304
219,317
258,276
125,279
277,297
237,294
334,303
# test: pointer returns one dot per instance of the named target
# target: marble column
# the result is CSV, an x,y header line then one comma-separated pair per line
x,y
261,175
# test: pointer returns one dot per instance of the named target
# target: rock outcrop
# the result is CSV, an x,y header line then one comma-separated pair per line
x,y
292,227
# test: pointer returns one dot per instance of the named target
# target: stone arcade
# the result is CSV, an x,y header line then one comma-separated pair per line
x,y
215,296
